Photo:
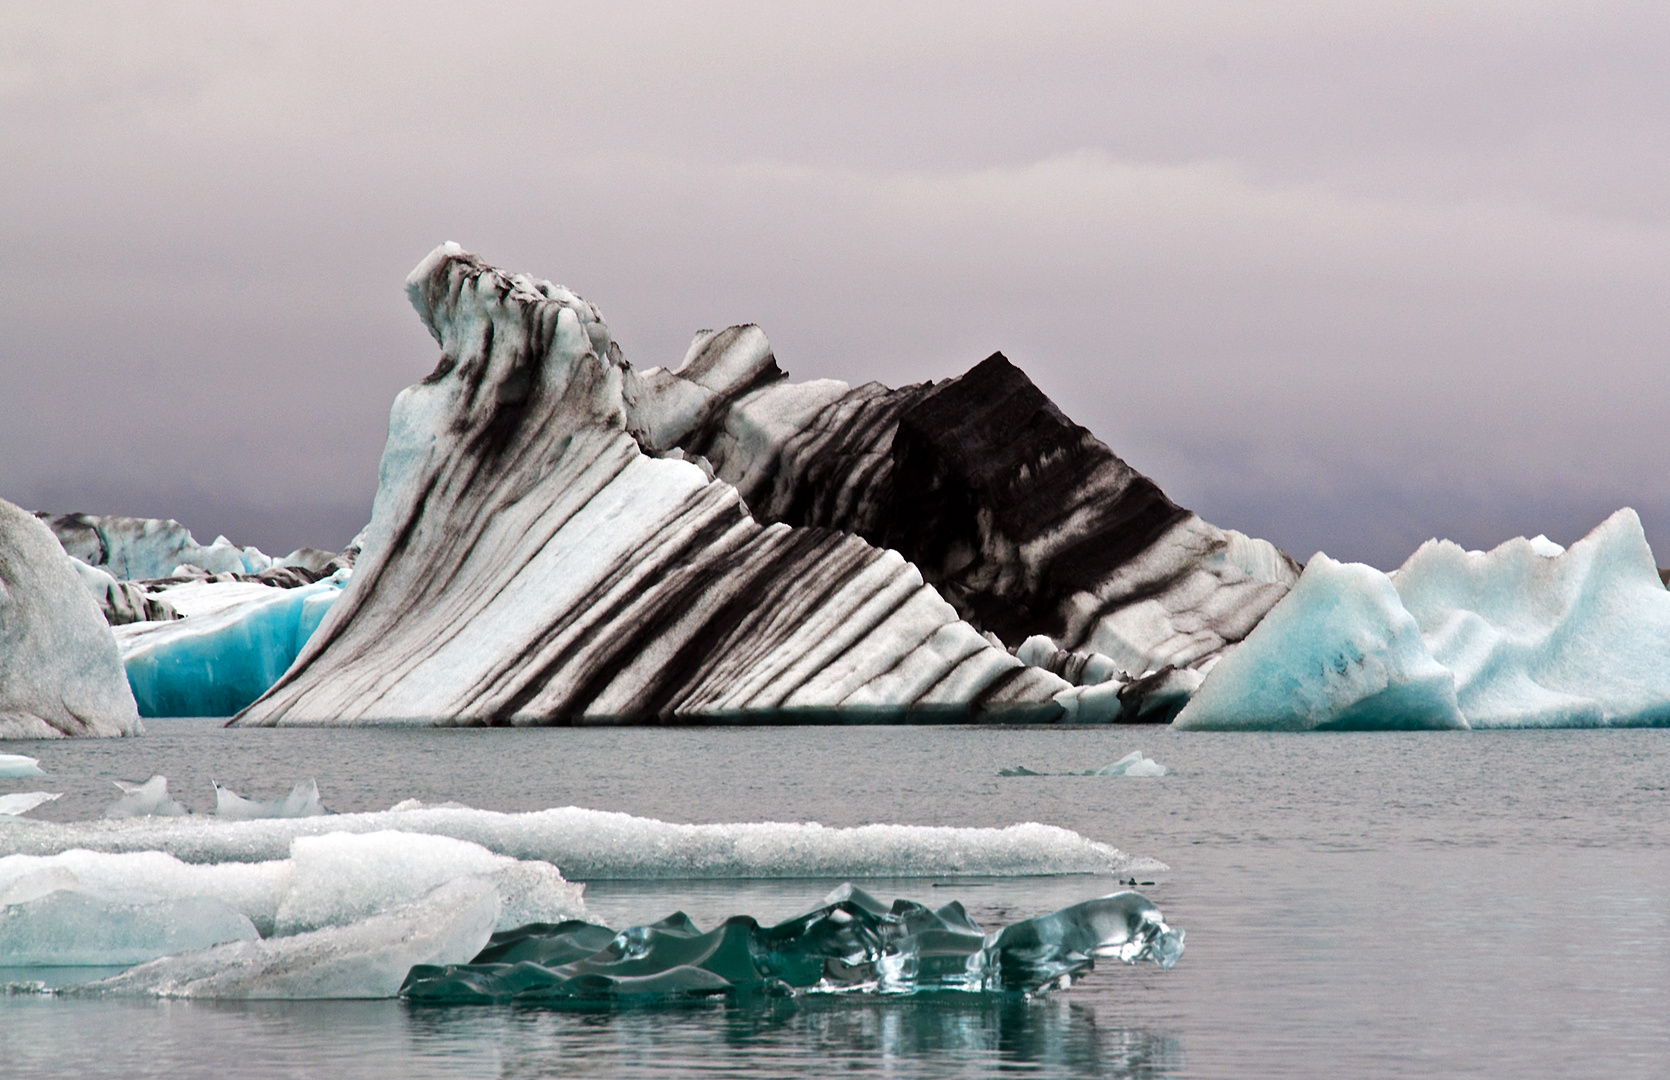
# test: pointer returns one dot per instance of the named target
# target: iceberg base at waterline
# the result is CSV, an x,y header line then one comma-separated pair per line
x,y
851,944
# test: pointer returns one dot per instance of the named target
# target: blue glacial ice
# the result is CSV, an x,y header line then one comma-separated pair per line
x,y
1525,635
852,943
19,765
233,642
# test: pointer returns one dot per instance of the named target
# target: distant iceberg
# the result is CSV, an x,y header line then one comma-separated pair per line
x,y
1525,635
1132,764
60,672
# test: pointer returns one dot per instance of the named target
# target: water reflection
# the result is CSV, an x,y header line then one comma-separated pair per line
x,y
928,1037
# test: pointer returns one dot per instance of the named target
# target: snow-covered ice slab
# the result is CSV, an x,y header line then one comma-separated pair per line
x,y
60,673
598,845
1524,635
234,641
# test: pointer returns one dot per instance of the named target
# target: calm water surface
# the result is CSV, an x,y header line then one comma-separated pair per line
x,y
1386,905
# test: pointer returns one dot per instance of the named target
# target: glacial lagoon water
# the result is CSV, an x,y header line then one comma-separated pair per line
x,y
1357,904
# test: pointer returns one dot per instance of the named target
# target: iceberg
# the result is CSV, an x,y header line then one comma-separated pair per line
x,y
303,801
21,802
1132,764
1539,636
1528,634
19,765
131,549
559,538
528,563
852,943
597,845
232,641
1022,519
60,673
1339,652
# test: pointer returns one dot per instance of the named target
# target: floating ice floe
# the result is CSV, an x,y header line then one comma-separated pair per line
x,y
233,641
59,669
366,959
596,844
1525,635
19,765
303,801
21,802
717,543
141,800
852,943
84,908
1132,764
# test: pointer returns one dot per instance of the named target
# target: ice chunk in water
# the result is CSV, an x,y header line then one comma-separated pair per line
x,y
14,765
1132,764
366,959
69,928
21,802
852,943
149,799
303,801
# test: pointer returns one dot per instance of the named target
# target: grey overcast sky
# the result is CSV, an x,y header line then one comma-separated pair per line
x,y
1343,275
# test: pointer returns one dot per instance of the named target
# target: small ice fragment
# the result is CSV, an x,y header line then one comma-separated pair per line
x,y
149,799
1018,770
21,802
13,765
406,804
1132,764
303,801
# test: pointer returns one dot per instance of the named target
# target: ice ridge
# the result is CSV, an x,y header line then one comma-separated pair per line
x,y
596,845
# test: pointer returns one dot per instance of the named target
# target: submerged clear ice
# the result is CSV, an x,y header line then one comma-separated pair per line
x,y
852,943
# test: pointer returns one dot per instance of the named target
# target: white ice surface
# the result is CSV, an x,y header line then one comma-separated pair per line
x,y
95,908
365,959
18,765
596,844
